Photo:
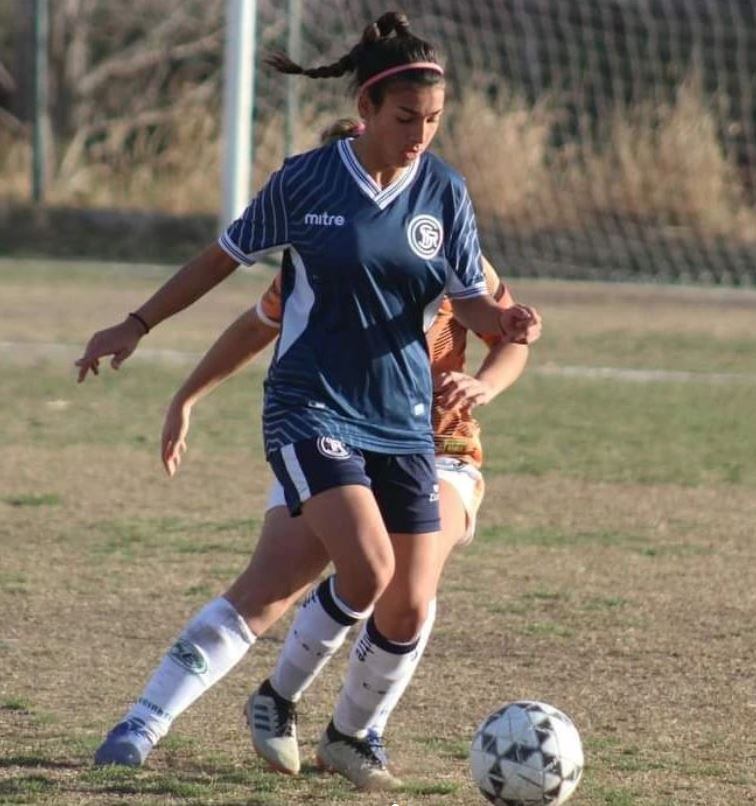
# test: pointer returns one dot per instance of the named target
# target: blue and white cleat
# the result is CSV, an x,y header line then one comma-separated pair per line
x,y
127,745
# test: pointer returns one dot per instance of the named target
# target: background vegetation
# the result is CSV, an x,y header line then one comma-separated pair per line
x,y
606,138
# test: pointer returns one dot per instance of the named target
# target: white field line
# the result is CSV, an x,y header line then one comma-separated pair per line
x,y
644,375
29,351
26,352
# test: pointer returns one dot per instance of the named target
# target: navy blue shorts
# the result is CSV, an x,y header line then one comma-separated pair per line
x,y
405,487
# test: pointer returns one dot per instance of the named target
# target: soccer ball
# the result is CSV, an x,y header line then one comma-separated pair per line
x,y
526,754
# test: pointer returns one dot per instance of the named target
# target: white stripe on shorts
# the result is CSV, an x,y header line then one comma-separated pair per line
x,y
296,474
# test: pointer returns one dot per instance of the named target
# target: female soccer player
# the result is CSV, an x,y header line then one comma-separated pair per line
x,y
288,557
375,231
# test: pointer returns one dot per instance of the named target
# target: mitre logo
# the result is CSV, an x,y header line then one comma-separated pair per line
x,y
324,220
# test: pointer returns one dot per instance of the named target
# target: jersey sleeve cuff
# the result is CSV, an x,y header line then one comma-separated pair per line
x,y
230,248
477,290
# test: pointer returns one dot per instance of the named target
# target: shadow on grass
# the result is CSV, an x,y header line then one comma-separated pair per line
x,y
40,761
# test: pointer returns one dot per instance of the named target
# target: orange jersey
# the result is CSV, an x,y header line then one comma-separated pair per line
x,y
455,431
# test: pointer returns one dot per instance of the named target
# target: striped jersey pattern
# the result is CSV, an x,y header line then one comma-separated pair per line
x,y
455,431
363,273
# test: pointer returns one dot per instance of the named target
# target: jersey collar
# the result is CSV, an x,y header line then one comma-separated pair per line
x,y
381,196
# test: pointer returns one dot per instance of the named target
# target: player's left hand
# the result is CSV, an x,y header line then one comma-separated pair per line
x,y
173,438
458,390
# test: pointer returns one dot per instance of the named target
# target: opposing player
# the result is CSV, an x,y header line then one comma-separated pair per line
x,y
375,231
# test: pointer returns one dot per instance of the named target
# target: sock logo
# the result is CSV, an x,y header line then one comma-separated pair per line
x,y
156,709
364,647
189,656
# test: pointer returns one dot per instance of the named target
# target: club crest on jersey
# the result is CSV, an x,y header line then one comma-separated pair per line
x,y
425,235
333,448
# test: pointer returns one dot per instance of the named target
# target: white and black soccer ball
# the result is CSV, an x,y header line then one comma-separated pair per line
x,y
526,754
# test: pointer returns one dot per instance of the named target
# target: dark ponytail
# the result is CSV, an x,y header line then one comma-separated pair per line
x,y
341,128
385,43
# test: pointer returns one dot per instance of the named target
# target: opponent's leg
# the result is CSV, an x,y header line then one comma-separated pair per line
x,y
210,645
286,559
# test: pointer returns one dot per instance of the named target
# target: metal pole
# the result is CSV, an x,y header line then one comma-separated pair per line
x,y
238,92
292,85
41,117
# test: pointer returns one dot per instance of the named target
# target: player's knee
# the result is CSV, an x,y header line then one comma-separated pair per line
x,y
404,624
362,586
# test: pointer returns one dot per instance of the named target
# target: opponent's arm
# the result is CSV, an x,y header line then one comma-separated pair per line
x,y
502,365
186,286
233,350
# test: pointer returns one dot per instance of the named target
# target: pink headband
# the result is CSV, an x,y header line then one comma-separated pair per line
x,y
392,71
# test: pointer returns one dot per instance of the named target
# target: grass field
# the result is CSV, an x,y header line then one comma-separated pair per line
x,y
612,575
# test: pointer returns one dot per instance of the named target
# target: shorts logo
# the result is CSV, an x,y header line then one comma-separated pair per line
x,y
425,235
189,656
333,448
434,496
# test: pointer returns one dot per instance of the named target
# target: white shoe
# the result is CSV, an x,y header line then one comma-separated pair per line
x,y
272,720
362,761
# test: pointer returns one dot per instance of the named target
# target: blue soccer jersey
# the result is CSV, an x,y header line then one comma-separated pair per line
x,y
363,273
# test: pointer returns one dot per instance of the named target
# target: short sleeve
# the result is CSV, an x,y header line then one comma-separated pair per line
x,y
465,276
262,227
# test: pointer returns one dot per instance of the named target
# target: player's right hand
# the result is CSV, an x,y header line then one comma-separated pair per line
x,y
120,341
173,439
520,324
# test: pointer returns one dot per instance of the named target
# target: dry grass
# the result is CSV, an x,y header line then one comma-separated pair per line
x,y
503,151
660,165
623,598
665,165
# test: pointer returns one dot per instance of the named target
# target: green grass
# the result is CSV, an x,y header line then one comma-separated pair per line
x,y
155,535
609,575
26,788
555,538
681,352
603,430
597,430
33,500
15,704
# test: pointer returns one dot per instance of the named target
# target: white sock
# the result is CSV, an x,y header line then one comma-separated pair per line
x,y
319,629
397,690
210,645
379,670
